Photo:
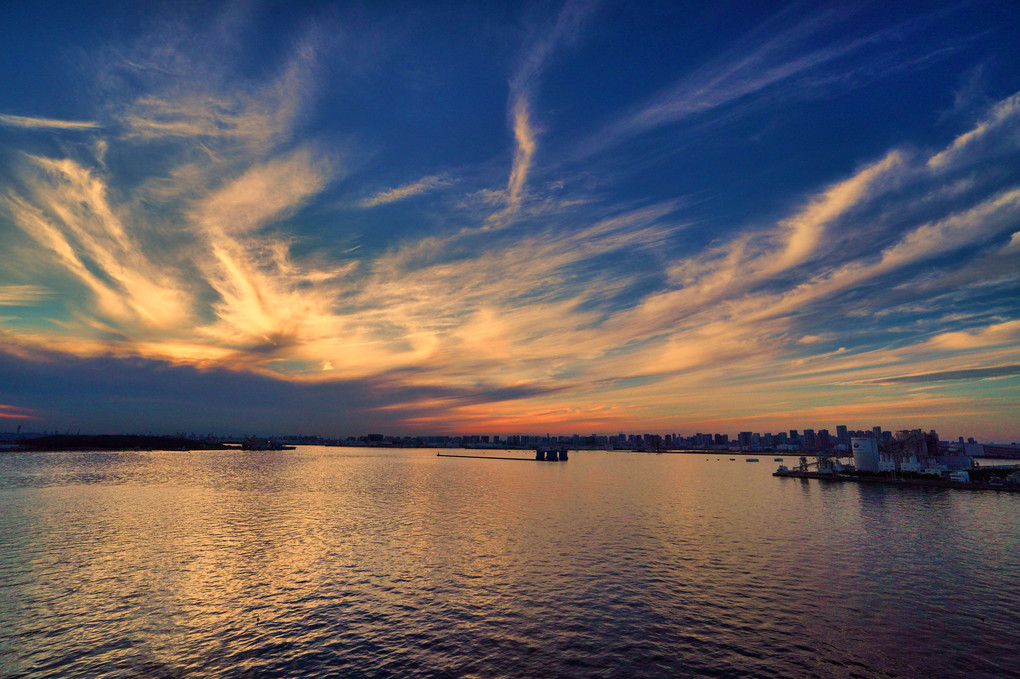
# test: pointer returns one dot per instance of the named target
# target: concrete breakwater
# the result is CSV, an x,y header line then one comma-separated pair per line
x,y
541,455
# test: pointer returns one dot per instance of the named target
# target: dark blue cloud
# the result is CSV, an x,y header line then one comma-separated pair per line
x,y
110,395
952,375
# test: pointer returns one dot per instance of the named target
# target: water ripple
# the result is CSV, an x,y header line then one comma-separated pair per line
x,y
334,562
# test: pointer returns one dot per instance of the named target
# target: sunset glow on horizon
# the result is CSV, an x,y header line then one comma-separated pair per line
x,y
574,218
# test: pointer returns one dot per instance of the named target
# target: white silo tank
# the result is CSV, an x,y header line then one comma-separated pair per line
x,y
865,453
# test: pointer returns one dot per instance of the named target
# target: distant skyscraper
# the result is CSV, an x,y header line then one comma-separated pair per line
x,y
809,439
877,431
841,434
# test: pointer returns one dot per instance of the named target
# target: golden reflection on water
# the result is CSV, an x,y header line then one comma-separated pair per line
x,y
382,562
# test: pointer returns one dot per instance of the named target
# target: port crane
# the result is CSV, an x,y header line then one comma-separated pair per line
x,y
823,462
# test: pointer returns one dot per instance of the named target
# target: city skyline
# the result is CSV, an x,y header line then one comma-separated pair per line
x,y
579,216
807,437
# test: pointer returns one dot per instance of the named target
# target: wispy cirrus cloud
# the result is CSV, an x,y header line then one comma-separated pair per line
x,y
774,56
1005,334
17,295
68,214
35,123
10,412
416,188
525,81
459,312
253,276
149,260
731,307
950,375
201,231
186,87
525,137
997,127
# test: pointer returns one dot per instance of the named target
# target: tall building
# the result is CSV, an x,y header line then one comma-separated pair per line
x,y
877,431
809,439
841,434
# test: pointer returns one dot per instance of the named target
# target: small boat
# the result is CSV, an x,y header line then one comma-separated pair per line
x,y
751,459
777,459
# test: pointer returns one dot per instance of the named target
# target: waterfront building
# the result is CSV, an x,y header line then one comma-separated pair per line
x,y
1011,451
910,451
865,453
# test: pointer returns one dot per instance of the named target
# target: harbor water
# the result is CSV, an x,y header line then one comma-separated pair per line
x,y
398,563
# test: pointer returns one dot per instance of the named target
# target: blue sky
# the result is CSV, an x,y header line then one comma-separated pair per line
x,y
497,218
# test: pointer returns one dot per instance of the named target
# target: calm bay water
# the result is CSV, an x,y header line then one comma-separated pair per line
x,y
398,563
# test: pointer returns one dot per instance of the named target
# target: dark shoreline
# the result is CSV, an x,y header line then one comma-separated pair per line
x,y
78,442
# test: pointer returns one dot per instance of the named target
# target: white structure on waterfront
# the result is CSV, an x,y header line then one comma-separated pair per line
x,y
868,458
910,451
865,454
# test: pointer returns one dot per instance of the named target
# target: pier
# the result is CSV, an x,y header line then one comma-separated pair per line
x,y
935,483
485,457
540,456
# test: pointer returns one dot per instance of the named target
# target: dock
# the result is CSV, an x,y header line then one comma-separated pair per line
x,y
885,480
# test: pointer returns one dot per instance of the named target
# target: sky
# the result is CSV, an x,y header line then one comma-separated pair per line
x,y
339,218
